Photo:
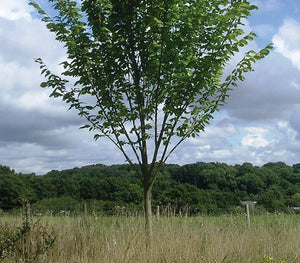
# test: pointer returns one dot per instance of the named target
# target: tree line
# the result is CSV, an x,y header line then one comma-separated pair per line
x,y
206,188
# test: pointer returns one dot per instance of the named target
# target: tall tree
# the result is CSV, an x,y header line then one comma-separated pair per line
x,y
149,73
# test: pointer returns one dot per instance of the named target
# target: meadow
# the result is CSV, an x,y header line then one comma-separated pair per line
x,y
269,239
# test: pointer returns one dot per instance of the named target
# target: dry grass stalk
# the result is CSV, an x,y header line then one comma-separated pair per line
x,y
197,239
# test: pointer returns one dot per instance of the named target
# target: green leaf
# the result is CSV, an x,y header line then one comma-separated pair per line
x,y
97,136
85,126
44,84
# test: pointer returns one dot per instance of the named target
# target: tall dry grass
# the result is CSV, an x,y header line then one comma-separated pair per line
x,y
274,238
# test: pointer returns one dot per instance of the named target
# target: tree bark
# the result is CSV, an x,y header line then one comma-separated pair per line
x,y
148,217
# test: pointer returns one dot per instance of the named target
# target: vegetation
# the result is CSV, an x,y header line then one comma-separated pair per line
x,y
148,74
26,242
271,239
202,188
205,188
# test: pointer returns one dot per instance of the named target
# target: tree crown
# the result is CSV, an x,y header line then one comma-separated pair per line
x,y
147,71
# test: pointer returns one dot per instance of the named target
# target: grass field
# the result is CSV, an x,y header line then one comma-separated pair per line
x,y
273,238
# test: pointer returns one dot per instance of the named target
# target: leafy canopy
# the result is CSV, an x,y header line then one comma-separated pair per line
x,y
148,71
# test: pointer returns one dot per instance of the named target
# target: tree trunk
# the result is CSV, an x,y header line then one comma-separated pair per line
x,y
148,217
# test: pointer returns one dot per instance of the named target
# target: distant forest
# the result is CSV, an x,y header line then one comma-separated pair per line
x,y
202,188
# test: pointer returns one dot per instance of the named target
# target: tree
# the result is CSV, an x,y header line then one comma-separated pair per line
x,y
149,74
296,200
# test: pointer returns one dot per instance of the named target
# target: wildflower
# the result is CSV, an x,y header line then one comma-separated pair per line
x,y
267,259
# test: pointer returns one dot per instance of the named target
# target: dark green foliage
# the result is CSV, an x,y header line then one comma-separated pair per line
x,y
13,186
203,187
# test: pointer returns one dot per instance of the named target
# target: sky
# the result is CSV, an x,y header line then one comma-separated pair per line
x,y
259,124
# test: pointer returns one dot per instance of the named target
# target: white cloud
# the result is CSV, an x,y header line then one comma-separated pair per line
x,y
255,138
15,9
287,41
270,92
204,147
221,154
33,100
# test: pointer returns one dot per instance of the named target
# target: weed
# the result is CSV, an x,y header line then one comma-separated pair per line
x,y
26,242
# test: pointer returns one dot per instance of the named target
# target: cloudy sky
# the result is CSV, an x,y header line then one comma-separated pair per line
x,y
259,124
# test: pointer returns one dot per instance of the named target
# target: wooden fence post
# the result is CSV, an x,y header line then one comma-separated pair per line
x,y
247,204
